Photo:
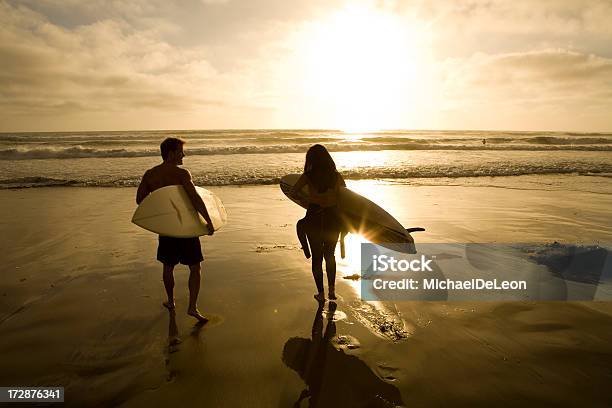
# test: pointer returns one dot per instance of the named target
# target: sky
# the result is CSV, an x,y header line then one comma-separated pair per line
x,y
70,65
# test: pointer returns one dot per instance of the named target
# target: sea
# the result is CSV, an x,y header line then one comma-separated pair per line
x,y
252,157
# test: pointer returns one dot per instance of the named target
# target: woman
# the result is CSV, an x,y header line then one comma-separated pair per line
x,y
322,219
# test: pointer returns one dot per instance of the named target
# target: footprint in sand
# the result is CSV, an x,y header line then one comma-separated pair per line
x,y
386,372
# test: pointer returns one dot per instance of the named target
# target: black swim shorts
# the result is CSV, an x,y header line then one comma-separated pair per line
x,y
187,251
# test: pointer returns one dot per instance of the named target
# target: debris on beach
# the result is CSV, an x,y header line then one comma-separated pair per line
x,y
380,322
274,247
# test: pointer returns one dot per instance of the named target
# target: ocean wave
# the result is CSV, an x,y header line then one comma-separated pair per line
x,y
77,152
36,181
225,179
286,139
283,136
550,140
74,152
158,135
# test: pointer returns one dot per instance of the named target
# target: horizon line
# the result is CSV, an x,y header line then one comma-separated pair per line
x,y
312,130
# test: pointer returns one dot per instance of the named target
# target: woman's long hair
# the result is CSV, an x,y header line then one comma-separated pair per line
x,y
320,168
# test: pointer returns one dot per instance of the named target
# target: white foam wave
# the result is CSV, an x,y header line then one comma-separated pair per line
x,y
77,152
273,177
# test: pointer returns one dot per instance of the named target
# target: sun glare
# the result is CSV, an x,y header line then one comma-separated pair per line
x,y
350,265
364,68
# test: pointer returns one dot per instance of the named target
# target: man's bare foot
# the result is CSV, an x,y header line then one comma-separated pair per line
x,y
169,305
320,297
196,313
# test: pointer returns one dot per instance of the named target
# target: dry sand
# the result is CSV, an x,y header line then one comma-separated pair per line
x,y
81,293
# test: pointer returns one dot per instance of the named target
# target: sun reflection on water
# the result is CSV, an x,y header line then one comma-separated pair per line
x,y
361,159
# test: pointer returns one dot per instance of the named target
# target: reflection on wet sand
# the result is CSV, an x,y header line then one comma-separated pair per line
x,y
174,340
332,377
173,337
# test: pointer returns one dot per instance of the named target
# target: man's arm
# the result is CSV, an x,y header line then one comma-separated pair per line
x,y
143,188
195,198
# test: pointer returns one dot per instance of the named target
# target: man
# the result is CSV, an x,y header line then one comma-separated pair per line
x,y
174,250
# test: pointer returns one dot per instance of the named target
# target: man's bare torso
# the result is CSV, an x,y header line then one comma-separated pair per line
x,y
164,175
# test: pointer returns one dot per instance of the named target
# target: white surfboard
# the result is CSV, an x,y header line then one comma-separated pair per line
x,y
359,215
168,211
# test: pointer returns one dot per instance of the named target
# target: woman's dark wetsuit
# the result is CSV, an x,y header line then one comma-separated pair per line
x,y
323,229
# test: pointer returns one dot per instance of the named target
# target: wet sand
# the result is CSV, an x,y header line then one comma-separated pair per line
x,y
81,293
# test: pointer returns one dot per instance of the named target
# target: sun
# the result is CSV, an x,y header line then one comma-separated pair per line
x,y
363,68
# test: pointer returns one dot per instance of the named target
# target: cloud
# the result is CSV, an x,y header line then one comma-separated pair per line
x,y
105,66
518,16
234,64
552,89
555,74
552,67
98,58
462,28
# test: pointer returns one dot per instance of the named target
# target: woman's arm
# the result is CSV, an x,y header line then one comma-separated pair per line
x,y
302,181
341,182
312,196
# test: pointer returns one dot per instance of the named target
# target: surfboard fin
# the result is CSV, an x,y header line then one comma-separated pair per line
x,y
414,229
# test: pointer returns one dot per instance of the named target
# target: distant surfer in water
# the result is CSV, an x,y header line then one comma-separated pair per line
x,y
171,250
322,223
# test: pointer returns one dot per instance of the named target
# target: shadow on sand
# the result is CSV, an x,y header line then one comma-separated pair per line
x,y
333,378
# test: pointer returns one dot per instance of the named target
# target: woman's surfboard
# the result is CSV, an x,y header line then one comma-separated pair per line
x,y
168,211
359,215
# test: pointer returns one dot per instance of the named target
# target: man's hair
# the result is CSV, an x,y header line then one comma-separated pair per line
x,y
170,144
